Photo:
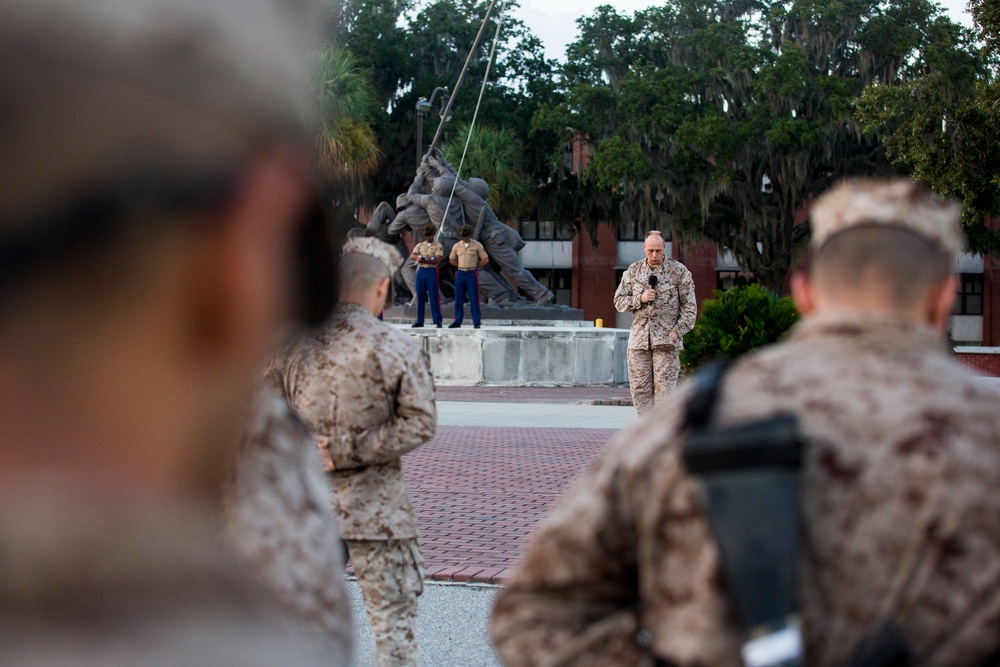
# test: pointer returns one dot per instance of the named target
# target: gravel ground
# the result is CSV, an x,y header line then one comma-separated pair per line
x,y
451,626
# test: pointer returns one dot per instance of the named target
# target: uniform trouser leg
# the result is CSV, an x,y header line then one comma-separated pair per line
x,y
666,369
461,288
390,575
640,379
427,285
434,287
474,297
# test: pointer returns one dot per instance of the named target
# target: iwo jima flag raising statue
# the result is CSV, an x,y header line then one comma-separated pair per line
x,y
429,201
439,197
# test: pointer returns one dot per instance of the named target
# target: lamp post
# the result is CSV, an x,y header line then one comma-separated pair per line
x,y
424,106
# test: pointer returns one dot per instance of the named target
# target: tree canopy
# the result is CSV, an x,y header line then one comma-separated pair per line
x,y
724,119
943,126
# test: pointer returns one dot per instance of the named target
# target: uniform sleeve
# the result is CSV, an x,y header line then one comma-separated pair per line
x,y
453,257
688,312
625,301
482,253
414,423
573,601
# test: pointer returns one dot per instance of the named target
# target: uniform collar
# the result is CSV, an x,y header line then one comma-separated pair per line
x,y
349,307
876,327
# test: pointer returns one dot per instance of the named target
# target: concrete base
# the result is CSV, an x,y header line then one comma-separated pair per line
x,y
526,356
525,312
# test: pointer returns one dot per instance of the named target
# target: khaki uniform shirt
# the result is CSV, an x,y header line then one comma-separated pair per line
x,y
367,387
674,309
900,507
279,515
119,582
428,249
468,256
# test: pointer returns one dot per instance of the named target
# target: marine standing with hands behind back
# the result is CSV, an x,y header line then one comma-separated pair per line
x,y
366,388
428,255
659,292
468,255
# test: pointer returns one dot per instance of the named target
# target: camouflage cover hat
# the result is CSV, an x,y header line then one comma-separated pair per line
x,y
898,203
383,252
98,90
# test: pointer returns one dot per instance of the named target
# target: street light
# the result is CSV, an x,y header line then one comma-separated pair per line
x,y
424,107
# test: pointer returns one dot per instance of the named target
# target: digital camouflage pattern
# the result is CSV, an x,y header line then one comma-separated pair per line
x,y
899,203
654,375
279,515
96,582
391,576
900,513
368,388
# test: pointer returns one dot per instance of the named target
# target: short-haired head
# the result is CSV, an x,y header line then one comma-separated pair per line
x,y
887,243
465,232
365,263
655,248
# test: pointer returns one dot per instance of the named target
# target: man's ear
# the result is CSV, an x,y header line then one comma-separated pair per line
x,y
244,275
940,302
384,292
802,293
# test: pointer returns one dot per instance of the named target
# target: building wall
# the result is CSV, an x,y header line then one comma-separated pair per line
x,y
594,274
701,261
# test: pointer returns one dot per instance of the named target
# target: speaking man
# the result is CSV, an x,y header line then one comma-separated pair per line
x,y
659,292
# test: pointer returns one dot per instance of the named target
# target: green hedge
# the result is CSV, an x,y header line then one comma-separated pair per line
x,y
737,321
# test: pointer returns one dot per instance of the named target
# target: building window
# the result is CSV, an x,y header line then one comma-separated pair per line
x,y
560,281
546,230
969,300
726,279
636,231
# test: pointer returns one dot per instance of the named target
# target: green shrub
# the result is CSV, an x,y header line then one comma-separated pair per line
x,y
737,321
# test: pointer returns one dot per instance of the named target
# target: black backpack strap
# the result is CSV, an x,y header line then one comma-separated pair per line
x,y
749,479
748,476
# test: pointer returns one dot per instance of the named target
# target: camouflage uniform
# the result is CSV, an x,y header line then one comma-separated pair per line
x,y
368,388
900,509
95,581
653,358
280,518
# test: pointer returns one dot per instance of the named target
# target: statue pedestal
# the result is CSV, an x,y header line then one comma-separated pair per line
x,y
492,314
525,354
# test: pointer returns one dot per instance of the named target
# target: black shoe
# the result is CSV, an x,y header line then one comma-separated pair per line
x,y
475,326
438,325
418,325
454,325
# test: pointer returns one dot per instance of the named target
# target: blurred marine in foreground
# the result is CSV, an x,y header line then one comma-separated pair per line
x,y
898,540
154,185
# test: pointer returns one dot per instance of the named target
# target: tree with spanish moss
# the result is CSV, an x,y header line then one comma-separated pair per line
x,y
723,119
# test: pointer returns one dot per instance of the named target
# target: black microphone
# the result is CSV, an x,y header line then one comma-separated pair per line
x,y
653,280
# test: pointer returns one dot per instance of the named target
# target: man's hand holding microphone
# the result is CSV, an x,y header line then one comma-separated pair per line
x,y
650,294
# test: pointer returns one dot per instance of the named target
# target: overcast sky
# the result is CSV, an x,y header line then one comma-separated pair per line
x,y
554,21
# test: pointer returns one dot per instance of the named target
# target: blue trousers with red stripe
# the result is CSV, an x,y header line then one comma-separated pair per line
x,y
427,283
467,286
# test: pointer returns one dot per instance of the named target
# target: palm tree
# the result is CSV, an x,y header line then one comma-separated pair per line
x,y
496,156
347,147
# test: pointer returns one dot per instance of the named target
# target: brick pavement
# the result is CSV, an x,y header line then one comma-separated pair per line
x,y
480,491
